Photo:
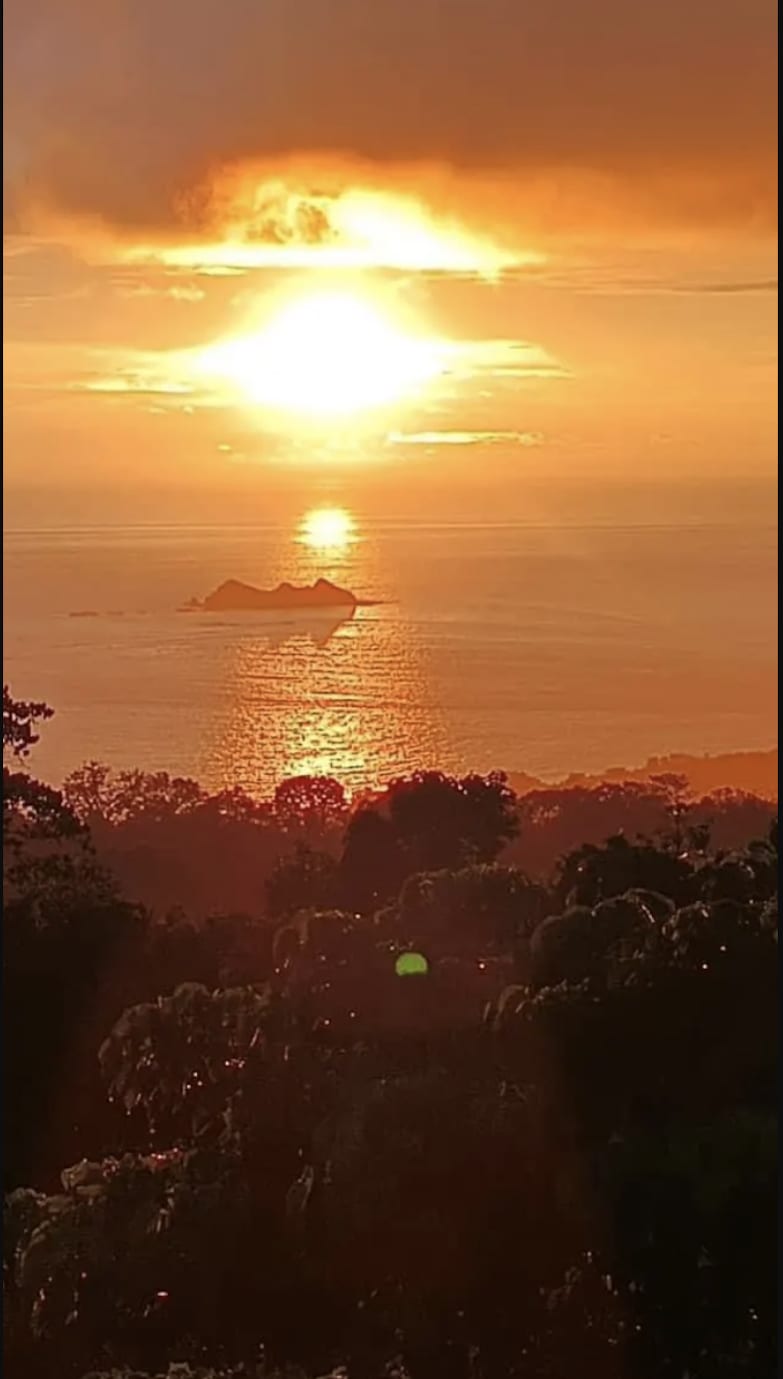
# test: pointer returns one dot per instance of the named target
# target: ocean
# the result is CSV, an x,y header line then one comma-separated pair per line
x,y
513,647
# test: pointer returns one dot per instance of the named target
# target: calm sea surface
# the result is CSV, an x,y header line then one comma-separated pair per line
x,y
522,648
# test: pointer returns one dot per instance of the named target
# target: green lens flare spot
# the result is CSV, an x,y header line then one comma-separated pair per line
x,y
411,965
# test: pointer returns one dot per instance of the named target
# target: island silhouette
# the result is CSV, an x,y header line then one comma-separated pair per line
x,y
312,610
234,597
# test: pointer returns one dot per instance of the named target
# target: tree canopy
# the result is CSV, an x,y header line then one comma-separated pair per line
x,y
423,1113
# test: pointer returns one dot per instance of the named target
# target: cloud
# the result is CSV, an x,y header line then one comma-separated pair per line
x,y
637,287
730,288
525,438
125,110
177,293
615,279
247,223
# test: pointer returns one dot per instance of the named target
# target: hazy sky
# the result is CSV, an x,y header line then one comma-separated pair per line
x,y
575,200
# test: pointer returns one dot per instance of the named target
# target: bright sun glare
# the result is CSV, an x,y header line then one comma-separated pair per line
x,y
270,224
325,354
327,529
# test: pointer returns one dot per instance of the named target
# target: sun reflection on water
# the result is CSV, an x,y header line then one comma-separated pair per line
x,y
297,704
327,529
299,708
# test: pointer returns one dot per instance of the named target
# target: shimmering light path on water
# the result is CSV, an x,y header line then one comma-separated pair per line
x,y
524,648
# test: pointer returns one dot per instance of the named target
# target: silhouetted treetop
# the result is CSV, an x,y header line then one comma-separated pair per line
x,y
19,721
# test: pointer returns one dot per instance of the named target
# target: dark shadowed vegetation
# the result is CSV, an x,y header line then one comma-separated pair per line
x,y
446,1083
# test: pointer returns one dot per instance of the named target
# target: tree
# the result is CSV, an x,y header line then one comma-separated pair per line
x,y
181,1058
305,881
725,933
69,942
312,804
329,965
588,942
674,789
444,821
30,808
372,866
129,1257
19,722
96,793
590,873
692,1206
476,911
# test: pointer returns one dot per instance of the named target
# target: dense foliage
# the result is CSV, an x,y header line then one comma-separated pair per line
x,y
546,1147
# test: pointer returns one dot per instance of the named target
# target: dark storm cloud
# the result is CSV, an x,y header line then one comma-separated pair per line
x,y
122,108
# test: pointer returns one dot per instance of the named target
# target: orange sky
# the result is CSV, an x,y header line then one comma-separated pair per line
x,y
575,201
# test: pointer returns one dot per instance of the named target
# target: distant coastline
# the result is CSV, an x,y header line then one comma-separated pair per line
x,y
754,772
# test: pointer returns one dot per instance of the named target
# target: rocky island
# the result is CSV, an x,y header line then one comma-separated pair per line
x,y
233,596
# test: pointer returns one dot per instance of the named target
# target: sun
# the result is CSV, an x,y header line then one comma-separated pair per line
x,y
327,529
325,354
